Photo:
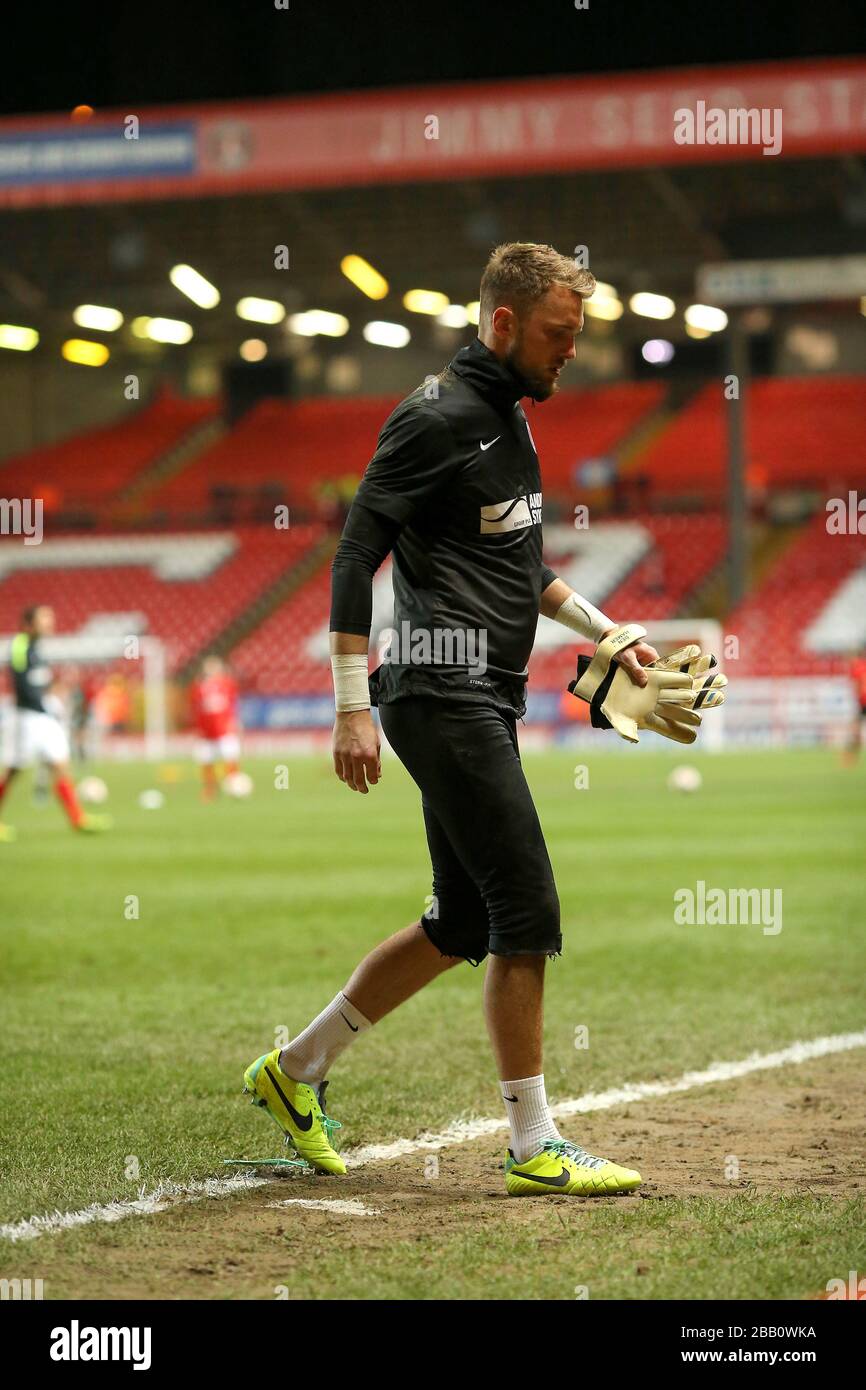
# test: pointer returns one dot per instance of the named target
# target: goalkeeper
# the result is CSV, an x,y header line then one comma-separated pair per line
x,y
454,493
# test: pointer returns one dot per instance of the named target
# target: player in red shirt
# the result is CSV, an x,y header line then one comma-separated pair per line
x,y
858,676
214,708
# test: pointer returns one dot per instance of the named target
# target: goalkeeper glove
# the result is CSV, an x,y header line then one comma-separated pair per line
x,y
682,722
677,686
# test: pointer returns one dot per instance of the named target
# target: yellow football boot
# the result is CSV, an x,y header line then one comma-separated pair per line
x,y
565,1168
297,1109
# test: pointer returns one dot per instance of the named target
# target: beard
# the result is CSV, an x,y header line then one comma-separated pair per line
x,y
537,387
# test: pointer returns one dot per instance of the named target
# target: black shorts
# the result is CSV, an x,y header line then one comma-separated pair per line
x,y
493,888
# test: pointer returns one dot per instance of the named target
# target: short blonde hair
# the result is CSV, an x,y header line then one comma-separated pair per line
x,y
519,273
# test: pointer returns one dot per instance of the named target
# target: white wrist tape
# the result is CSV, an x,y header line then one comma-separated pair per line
x,y
351,691
580,615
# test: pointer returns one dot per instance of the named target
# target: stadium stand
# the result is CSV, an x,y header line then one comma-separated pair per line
x,y
290,451
589,424
294,448
280,452
801,432
288,448
275,659
788,626
92,469
185,589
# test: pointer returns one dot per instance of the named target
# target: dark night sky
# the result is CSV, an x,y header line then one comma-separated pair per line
x,y
121,53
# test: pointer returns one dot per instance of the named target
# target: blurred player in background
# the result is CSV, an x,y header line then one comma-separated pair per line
x,y
214,707
112,706
38,734
858,676
40,791
83,688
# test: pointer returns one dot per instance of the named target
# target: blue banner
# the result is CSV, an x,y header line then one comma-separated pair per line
x,y
75,155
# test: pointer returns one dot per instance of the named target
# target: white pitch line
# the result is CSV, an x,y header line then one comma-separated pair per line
x,y
343,1207
170,1194
462,1130
166,1195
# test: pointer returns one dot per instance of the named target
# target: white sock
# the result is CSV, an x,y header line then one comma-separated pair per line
x,y
528,1115
310,1056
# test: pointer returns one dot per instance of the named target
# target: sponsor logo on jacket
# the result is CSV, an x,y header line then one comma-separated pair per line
x,y
512,515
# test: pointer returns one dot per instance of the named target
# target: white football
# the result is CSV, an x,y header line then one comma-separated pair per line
x,y
685,779
151,800
238,784
92,790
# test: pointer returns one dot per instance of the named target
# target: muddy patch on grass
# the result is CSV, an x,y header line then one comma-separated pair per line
x,y
794,1130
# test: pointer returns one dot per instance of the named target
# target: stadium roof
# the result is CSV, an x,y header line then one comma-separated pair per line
x,y
645,229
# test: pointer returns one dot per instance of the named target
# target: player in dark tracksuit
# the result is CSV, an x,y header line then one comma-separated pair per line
x,y
454,492
38,734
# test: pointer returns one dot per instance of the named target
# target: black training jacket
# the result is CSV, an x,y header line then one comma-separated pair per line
x,y
457,470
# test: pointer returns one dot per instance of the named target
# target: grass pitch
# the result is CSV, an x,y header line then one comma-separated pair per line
x,y
145,969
